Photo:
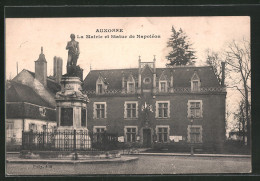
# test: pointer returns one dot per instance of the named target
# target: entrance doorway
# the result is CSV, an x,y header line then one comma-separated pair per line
x,y
147,137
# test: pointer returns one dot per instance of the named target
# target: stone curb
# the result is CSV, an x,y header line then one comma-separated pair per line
x,y
187,154
115,160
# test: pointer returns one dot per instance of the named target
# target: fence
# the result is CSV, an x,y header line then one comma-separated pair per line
x,y
68,141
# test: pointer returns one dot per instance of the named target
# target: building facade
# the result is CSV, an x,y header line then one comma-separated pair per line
x,y
30,101
158,105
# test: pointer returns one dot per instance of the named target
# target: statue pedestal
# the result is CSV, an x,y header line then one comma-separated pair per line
x,y
72,114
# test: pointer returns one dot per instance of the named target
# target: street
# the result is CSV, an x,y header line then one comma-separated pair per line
x,y
144,165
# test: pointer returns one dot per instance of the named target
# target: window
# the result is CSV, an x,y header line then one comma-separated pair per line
x,y
44,128
195,86
32,127
195,82
83,117
100,85
100,90
195,108
66,117
162,133
130,133
163,86
131,109
147,80
99,131
195,134
131,87
99,110
54,128
9,131
162,109
130,84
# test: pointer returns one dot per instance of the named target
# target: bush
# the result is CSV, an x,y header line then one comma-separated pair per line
x,y
236,147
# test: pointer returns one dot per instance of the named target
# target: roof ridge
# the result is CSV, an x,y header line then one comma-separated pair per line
x,y
114,69
205,66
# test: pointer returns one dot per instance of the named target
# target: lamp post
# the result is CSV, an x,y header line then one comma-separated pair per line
x,y
191,142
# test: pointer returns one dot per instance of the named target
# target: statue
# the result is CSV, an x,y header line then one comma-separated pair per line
x,y
73,53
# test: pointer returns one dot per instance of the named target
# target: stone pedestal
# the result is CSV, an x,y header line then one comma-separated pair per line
x,y
72,113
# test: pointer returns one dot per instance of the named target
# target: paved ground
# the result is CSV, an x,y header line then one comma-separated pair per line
x,y
144,165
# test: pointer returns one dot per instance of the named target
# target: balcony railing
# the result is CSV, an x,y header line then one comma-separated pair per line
x,y
175,90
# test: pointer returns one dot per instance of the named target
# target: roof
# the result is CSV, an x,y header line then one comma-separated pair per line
x,y
113,77
22,93
51,84
181,76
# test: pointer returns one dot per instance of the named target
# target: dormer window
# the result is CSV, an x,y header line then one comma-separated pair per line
x,y
100,89
101,85
130,84
195,82
131,87
163,86
163,81
195,85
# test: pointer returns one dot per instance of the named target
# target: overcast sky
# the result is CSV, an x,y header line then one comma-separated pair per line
x,y
25,36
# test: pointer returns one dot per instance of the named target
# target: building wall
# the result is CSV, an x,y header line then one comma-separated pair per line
x,y
15,135
213,121
20,125
39,124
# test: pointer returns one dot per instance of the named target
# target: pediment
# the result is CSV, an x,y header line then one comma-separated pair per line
x,y
130,78
147,70
195,76
100,79
163,77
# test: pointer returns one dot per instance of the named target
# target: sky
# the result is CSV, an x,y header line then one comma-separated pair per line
x,y
25,36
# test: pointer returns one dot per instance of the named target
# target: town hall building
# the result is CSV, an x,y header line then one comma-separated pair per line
x,y
158,105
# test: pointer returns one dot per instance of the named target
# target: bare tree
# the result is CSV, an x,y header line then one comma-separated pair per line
x,y
214,59
238,58
238,72
241,119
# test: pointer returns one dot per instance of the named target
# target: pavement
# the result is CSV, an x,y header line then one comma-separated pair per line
x,y
123,158
195,155
53,161
143,152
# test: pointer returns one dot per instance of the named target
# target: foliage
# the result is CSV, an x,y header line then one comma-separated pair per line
x,y
182,53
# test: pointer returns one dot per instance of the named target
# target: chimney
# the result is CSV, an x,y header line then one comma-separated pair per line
x,y
154,67
123,82
223,73
57,69
171,83
41,69
139,77
154,75
54,66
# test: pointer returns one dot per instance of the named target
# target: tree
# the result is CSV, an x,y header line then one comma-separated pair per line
x,y
214,59
241,120
238,58
182,53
